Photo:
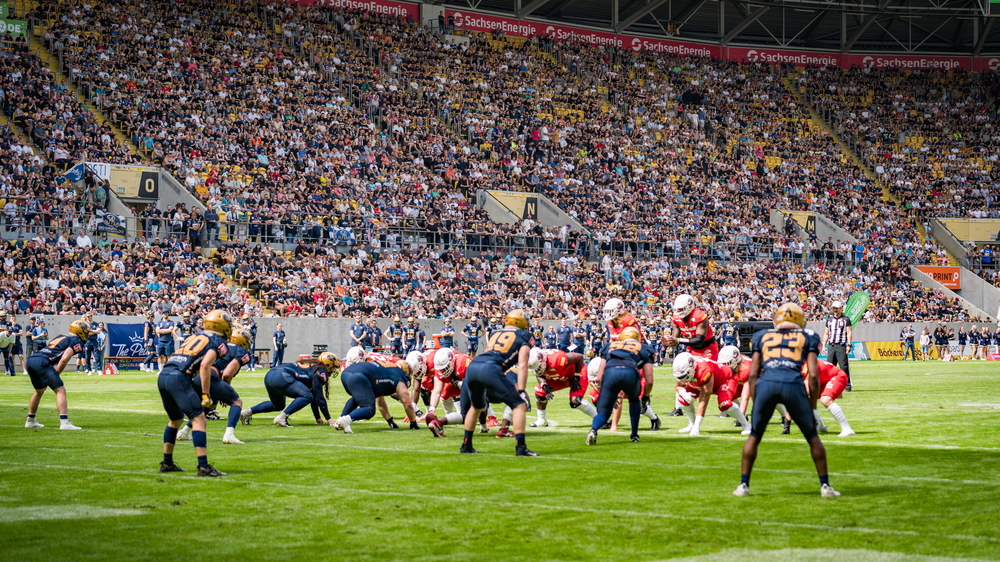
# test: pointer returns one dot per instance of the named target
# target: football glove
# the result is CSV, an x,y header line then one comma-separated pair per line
x,y
548,392
414,425
684,397
574,384
392,424
524,396
206,401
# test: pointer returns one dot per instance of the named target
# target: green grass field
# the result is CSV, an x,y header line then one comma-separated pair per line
x,y
920,481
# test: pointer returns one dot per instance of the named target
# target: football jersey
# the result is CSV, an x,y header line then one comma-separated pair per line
x,y
558,367
537,332
704,370
384,379
55,348
187,359
728,334
472,331
689,327
742,375
827,371
185,329
461,364
782,352
396,332
503,347
615,327
410,333
233,353
626,353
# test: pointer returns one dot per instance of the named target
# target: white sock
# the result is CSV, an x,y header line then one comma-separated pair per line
x,y
689,412
542,414
781,410
508,414
587,408
452,418
649,413
448,405
838,414
489,411
735,413
415,407
697,422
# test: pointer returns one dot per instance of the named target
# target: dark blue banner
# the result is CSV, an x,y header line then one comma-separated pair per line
x,y
125,340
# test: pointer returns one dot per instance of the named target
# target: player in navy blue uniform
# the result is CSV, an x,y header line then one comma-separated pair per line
x,y
221,390
307,381
410,335
447,334
485,381
627,362
473,331
149,335
776,378
396,336
597,334
166,331
367,384
186,327
196,355
44,367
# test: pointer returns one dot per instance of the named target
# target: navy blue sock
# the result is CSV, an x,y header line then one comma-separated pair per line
x,y
169,435
63,417
467,440
199,438
519,437
825,479
745,479
203,460
168,458
599,421
234,416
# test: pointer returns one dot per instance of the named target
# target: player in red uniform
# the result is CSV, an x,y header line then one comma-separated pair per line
x,y
558,370
447,373
693,328
618,319
700,379
739,366
833,380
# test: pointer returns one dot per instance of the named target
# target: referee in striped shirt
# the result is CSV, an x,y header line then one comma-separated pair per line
x,y
837,339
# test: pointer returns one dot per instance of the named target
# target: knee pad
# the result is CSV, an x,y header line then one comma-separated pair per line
x,y
169,435
199,438
574,402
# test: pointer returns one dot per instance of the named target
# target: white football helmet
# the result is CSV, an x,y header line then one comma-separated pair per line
x,y
418,367
536,362
684,367
730,357
594,366
613,309
683,305
356,354
443,362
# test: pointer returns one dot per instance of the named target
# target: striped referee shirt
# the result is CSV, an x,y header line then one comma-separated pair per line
x,y
837,329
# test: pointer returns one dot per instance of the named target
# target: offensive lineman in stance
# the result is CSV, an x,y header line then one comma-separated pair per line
x,y
558,370
485,381
776,376
195,356
626,360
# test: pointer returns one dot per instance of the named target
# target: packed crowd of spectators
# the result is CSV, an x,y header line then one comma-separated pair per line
x,y
303,120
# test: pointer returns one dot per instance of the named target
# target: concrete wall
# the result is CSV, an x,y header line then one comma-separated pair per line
x,y
550,214
173,192
429,14
928,281
980,293
303,333
944,237
825,228
498,213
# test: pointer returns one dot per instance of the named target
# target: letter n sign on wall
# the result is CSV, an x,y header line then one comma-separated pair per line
x,y
531,208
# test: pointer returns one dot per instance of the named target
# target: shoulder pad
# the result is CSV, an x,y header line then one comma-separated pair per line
x,y
808,332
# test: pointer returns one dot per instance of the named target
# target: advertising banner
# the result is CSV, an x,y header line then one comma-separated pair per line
x,y
856,306
4,10
403,10
487,24
126,348
950,277
910,62
891,350
111,224
796,58
858,352
13,28
672,48
563,33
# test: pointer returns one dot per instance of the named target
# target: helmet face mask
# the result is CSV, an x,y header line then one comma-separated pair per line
x,y
240,338
613,309
330,362
790,313
517,319
415,360
730,357
683,305
536,362
683,367
444,362
80,329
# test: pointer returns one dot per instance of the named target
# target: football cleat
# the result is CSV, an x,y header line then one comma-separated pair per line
x,y
213,415
209,470
786,427
281,420
676,412
746,431
634,438
686,429
524,452
67,426
184,434
32,424
539,423
591,437
170,467
846,433
847,389
822,428
742,491
492,421
607,425
436,428
826,491
504,432
245,416
655,424
229,438
483,428
467,450
343,423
